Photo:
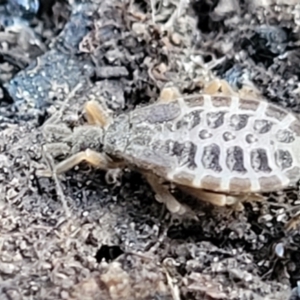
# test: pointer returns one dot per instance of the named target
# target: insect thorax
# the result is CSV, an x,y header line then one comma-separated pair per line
x,y
116,136
87,137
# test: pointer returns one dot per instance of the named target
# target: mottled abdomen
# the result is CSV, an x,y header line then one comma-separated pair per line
x,y
217,143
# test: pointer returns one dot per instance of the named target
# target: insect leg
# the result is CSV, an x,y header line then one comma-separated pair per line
x,y
95,114
163,195
94,158
218,86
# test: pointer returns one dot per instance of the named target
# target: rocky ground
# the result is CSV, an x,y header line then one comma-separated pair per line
x,y
78,237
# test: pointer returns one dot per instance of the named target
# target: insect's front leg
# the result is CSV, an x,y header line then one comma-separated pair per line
x,y
96,159
96,114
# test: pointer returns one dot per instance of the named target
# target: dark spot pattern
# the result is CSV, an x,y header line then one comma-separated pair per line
x,y
167,147
228,136
249,104
293,174
283,159
276,112
219,101
204,134
141,141
285,136
194,101
262,126
185,152
158,113
211,157
235,159
238,122
190,120
259,161
295,127
215,119
250,138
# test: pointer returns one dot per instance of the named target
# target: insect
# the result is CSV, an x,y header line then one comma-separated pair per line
x,y
217,146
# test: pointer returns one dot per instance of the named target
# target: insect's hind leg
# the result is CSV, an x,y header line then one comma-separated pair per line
x,y
219,199
163,195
